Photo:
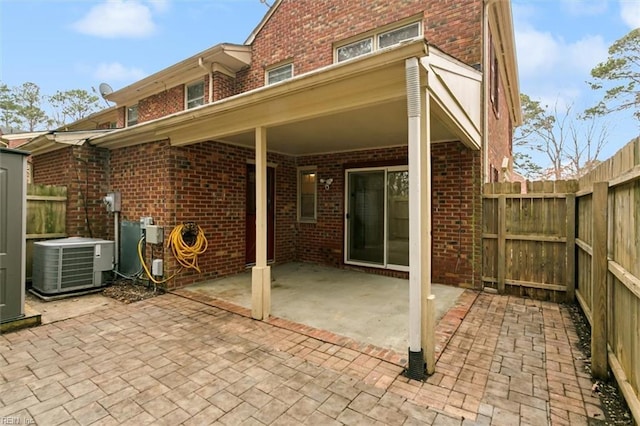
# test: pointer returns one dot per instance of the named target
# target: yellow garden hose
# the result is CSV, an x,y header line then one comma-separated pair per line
x,y
187,252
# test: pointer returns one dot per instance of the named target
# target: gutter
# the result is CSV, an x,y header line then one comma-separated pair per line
x,y
303,82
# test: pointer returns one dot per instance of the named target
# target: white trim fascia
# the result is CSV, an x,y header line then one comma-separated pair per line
x,y
448,101
501,28
303,82
262,23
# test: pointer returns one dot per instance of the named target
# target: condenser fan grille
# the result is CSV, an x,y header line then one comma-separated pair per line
x,y
77,267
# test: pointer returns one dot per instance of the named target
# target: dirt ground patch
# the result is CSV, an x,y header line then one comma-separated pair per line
x,y
129,291
613,404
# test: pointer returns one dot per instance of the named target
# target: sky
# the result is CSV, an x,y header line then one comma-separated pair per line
x,y
78,44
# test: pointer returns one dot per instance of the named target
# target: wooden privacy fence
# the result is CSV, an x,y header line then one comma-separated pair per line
x,y
576,240
528,239
608,268
46,217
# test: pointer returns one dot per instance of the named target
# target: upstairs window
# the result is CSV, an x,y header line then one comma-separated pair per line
x,y
195,95
307,194
378,40
132,115
398,35
355,49
281,73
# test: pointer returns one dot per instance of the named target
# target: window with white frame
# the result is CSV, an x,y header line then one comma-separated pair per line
x,y
195,94
278,74
355,49
132,115
377,41
307,194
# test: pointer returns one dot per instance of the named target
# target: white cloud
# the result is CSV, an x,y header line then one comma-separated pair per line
x,y
538,52
542,53
119,18
115,71
630,13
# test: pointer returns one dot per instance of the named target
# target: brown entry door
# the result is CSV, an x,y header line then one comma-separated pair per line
x,y
251,214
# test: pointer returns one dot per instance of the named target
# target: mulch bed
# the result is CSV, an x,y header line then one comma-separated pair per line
x,y
129,291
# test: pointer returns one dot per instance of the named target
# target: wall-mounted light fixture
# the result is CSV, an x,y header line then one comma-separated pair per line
x,y
327,183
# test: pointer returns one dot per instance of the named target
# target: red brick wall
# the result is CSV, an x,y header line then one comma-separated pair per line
x,y
206,184
84,171
456,210
456,214
223,86
162,104
304,30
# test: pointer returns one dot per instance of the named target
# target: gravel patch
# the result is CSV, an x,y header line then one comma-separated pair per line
x,y
129,291
612,403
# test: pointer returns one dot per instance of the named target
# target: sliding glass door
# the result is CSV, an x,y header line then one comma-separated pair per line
x,y
377,220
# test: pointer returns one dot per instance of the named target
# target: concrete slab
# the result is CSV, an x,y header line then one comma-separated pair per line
x,y
365,307
61,309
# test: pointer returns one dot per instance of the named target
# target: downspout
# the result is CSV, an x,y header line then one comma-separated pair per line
x,y
210,73
416,367
486,67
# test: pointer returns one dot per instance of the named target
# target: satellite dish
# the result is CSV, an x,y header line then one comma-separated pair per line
x,y
105,90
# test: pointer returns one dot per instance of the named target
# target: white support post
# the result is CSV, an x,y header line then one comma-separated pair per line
x,y
428,300
261,273
416,367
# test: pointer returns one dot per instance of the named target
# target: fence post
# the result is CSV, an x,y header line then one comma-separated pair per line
x,y
502,242
599,267
571,248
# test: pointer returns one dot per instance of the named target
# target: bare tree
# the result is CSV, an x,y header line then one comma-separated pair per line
x,y
571,143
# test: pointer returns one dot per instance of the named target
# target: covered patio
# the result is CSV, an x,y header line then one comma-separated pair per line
x,y
365,307
409,96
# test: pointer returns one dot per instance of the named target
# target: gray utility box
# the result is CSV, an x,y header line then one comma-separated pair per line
x,y
13,195
71,264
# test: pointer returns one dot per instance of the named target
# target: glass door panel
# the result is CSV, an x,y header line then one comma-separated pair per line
x,y
398,218
366,217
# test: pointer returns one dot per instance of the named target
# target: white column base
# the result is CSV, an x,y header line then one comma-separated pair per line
x,y
261,292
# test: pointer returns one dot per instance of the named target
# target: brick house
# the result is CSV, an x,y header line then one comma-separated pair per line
x,y
335,132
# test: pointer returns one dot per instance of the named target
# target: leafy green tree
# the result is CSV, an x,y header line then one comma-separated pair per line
x,y
29,102
9,110
619,77
72,105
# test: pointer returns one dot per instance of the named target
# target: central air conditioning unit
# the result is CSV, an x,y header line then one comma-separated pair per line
x,y
71,264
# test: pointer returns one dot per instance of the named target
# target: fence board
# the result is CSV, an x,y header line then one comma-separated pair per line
x,y
46,217
525,236
622,248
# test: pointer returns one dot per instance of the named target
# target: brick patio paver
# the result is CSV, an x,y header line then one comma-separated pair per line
x,y
183,359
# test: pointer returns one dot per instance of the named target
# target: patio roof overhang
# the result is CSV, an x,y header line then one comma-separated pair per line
x,y
54,140
359,104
